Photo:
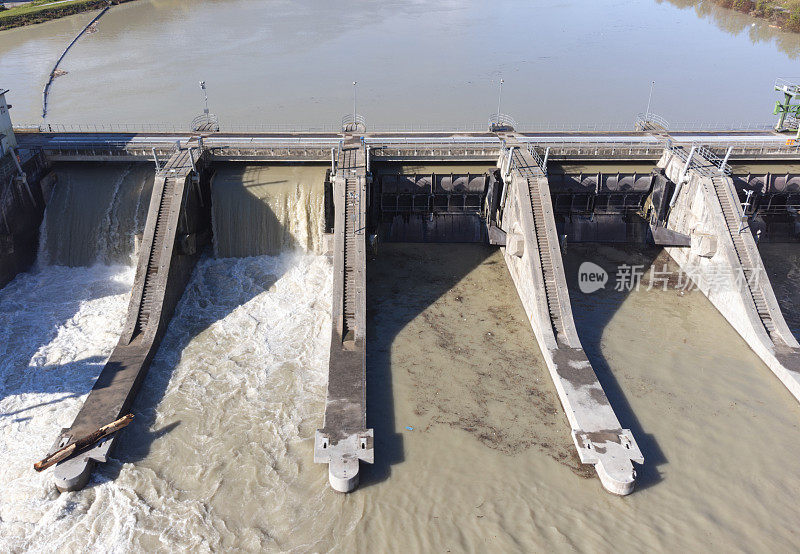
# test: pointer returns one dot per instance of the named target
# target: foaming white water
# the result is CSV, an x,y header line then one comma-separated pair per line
x,y
57,328
219,455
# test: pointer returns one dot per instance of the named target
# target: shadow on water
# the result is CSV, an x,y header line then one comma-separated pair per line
x,y
592,313
782,263
25,331
400,286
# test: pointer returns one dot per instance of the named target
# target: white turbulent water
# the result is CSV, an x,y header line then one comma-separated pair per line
x,y
224,421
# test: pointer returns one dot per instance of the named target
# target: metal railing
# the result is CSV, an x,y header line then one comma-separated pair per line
x,y
542,163
787,86
501,120
205,122
432,141
648,121
721,164
353,121
563,127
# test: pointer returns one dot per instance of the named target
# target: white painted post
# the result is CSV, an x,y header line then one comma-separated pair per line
x,y
333,162
355,95
682,178
686,165
725,161
546,155
499,98
368,149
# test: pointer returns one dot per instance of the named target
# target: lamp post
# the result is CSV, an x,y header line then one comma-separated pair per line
x,y
499,99
649,99
355,98
205,95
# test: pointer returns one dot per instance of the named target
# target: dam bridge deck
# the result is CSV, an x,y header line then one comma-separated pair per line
x,y
445,147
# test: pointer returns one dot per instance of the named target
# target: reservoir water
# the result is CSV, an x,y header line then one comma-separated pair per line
x,y
423,63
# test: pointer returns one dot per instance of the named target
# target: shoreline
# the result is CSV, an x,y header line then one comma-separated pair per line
x,y
22,16
772,11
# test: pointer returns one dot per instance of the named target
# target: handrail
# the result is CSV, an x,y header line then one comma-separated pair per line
x,y
501,120
646,121
539,161
205,122
353,122
713,158
787,86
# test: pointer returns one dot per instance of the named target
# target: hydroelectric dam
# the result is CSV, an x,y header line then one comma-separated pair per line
x,y
706,197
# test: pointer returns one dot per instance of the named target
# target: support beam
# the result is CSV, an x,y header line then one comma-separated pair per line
x,y
538,273
344,439
725,263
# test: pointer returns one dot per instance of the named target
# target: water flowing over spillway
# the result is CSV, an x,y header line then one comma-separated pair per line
x,y
262,210
94,214
253,333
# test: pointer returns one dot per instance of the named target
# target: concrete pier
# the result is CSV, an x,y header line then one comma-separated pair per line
x,y
533,256
724,261
344,438
178,221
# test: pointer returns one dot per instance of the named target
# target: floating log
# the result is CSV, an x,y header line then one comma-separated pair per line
x,y
81,443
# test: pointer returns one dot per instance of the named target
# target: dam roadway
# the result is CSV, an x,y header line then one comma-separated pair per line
x,y
521,219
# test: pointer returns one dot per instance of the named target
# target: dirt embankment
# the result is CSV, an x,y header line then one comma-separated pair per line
x,y
17,17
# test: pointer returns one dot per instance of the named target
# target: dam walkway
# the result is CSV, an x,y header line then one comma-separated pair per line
x,y
533,257
344,438
165,261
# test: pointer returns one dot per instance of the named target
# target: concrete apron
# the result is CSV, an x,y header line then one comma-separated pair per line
x,y
596,431
698,211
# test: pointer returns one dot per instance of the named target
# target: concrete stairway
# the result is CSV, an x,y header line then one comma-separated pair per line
x,y
750,268
707,208
344,439
350,258
538,273
554,303
154,261
162,272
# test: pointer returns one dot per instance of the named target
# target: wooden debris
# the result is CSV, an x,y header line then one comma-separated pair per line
x,y
82,443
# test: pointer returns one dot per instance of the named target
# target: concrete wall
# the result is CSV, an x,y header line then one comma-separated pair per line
x,y
713,262
10,142
22,204
596,431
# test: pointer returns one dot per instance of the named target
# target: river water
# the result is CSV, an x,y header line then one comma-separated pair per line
x,y
422,63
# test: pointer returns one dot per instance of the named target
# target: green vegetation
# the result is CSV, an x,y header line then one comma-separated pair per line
x,y
781,13
43,10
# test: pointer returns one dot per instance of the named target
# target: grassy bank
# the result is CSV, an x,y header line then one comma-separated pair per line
x,y
781,13
44,10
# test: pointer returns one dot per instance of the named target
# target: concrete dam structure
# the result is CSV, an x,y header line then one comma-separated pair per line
x,y
529,194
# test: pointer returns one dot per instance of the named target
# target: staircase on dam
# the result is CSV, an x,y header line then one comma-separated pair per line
x,y
344,439
724,260
749,266
176,220
533,257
